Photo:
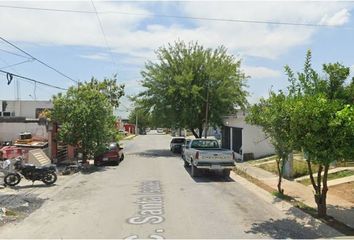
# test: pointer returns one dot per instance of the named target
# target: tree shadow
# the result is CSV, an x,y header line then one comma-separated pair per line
x,y
93,169
153,153
208,176
344,215
285,228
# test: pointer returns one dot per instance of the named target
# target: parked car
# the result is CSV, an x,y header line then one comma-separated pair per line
x,y
176,144
186,143
207,154
122,131
159,130
113,154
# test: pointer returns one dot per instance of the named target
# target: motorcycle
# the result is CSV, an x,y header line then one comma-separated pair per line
x,y
46,174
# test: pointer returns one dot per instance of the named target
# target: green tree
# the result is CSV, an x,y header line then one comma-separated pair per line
x,y
192,86
319,125
86,118
273,117
109,87
142,116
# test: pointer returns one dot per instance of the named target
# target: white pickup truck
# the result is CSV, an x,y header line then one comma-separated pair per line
x,y
206,154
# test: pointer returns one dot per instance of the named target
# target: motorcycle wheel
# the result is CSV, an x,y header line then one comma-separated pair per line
x,y
50,178
12,179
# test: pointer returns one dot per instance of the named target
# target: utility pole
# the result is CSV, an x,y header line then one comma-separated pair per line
x,y
206,114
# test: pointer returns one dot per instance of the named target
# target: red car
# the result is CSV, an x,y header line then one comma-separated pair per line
x,y
114,154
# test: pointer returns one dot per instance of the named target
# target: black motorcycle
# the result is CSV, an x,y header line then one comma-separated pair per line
x,y
46,174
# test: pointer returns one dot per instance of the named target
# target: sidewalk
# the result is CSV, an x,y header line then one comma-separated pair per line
x,y
129,137
339,208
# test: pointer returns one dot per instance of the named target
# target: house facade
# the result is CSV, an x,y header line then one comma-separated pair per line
x,y
248,141
18,116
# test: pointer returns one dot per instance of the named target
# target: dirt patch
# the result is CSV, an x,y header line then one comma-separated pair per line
x,y
16,207
344,190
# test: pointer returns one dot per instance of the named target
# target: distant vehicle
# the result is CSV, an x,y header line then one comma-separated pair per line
x,y
147,129
203,153
159,130
122,131
142,132
113,154
176,144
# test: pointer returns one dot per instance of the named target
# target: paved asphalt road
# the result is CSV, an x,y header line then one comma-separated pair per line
x,y
151,195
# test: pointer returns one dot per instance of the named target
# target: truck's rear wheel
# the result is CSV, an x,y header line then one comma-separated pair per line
x,y
194,170
226,172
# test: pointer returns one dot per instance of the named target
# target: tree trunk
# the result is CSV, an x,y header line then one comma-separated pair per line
x,y
84,157
194,133
311,174
280,190
200,131
322,203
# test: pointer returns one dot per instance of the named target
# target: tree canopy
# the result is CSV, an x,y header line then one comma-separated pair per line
x,y
85,115
190,83
273,116
316,116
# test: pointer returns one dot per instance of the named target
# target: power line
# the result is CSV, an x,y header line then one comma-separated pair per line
x,y
43,63
12,53
103,33
175,16
11,75
16,64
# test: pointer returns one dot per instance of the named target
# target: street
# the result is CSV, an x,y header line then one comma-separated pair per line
x,y
151,195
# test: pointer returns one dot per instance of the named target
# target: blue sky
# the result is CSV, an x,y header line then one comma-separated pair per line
x,y
74,44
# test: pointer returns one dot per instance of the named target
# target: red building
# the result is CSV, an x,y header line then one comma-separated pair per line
x,y
129,128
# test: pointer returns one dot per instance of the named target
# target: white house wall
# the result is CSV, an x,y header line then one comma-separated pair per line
x,y
10,131
254,141
253,138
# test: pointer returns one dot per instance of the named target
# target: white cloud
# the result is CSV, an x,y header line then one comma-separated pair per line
x,y
131,35
339,18
260,72
97,56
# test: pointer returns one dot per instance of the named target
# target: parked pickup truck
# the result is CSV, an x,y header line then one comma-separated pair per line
x,y
207,154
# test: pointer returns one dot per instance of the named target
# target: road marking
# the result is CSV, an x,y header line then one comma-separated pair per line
x,y
150,207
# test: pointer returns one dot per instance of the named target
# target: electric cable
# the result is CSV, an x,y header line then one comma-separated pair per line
x,y
10,76
16,64
43,63
103,33
12,53
178,17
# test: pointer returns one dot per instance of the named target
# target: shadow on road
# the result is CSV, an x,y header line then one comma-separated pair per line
x,y
285,228
157,153
37,185
209,176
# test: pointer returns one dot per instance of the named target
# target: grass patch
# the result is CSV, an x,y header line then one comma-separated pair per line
x,y
331,176
262,160
10,213
299,168
119,137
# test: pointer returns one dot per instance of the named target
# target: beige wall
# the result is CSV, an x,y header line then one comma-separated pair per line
x,y
11,131
24,108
